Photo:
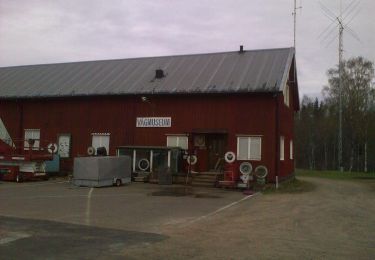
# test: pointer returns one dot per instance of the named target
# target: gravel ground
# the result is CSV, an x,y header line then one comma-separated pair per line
x,y
334,221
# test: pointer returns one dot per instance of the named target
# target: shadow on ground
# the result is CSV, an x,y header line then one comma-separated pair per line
x,y
40,239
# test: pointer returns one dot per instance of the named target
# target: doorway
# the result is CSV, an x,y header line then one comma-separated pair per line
x,y
210,148
216,147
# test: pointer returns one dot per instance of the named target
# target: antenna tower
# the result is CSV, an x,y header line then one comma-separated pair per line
x,y
338,21
295,21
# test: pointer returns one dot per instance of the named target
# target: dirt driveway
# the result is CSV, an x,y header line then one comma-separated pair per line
x,y
335,221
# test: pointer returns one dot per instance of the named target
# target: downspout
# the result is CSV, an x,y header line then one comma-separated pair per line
x,y
277,138
20,107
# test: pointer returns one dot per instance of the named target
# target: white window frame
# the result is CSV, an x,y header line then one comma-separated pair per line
x,y
291,149
36,145
282,148
178,142
248,157
101,135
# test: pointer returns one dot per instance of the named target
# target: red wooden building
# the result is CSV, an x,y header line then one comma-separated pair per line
x,y
242,101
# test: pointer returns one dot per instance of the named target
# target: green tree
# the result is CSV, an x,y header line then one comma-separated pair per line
x,y
357,75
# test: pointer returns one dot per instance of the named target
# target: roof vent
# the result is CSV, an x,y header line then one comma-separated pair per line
x,y
241,49
159,73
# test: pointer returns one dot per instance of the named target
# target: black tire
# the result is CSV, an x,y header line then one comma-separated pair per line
x,y
18,178
118,182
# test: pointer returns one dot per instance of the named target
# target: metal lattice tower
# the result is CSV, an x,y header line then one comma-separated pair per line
x,y
341,49
350,11
295,22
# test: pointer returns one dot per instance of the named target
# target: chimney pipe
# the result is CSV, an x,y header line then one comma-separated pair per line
x,y
241,49
159,73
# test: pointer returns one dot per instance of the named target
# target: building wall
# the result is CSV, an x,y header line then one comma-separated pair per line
x,y
287,130
243,114
286,119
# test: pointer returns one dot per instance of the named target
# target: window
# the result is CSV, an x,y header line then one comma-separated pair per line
x,y
249,148
281,148
100,140
286,95
178,141
291,149
32,134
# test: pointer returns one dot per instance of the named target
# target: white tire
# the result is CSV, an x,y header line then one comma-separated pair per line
x,y
143,164
229,157
261,171
52,148
91,150
192,159
246,168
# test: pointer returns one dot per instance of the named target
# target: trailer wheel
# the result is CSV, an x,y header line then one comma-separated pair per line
x,y
18,178
118,182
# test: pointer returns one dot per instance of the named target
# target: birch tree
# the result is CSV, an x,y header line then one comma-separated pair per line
x,y
357,76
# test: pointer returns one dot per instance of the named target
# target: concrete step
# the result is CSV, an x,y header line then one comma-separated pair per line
x,y
227,184
204,179
140,179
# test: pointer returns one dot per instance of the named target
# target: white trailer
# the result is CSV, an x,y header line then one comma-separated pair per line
x,y
102,171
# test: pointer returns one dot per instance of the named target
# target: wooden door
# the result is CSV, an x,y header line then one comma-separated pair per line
x,y
216,146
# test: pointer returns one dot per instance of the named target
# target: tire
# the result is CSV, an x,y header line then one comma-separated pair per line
x,y
18,178
143,164
192,159
118,182
230,157
91,151
52,148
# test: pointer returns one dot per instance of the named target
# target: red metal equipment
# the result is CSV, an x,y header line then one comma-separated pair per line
x,y
20,160
230,176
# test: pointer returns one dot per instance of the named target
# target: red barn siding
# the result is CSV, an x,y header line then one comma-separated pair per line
x,y
287,130
248,114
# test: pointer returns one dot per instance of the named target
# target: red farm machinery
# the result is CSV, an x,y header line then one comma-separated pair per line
x,y
22,160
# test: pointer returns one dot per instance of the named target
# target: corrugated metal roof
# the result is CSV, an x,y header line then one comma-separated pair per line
x,y
228,72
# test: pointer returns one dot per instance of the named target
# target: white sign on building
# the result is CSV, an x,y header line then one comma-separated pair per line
x,y
154,122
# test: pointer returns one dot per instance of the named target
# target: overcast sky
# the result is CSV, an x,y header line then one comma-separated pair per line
x,y
53,31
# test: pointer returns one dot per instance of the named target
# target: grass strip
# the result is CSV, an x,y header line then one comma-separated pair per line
x,y
336,175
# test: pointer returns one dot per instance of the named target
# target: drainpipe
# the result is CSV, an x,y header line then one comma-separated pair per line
x,y
20,107
277,136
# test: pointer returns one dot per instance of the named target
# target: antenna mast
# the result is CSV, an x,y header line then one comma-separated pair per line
x,y
341,49
295,22
294,37
338,20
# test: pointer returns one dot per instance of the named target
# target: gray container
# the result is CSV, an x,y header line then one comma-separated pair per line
x,y
102,171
